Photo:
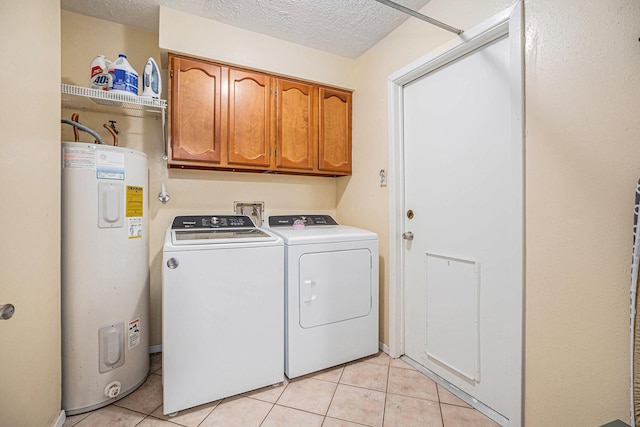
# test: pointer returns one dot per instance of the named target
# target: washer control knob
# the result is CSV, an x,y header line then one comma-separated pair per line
x,y
214,220
173,263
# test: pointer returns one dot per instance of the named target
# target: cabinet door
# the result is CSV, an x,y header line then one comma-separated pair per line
x,y
196,122
334,131
249,119
296,136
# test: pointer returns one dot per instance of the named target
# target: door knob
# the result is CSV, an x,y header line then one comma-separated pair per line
x,y
407,235
6,311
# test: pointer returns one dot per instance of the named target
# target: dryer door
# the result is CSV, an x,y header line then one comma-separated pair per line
x,y
334,286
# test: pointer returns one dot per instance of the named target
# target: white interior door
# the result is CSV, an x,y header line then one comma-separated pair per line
x,y
463,210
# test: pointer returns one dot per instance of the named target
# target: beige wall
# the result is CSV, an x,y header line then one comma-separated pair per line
x,y
194,191
211,39
582,163
30,213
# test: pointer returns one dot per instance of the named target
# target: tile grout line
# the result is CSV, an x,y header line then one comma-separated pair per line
x,y
210,412
440,404
159,419
422,398
124,407
334,393
386,394
273,405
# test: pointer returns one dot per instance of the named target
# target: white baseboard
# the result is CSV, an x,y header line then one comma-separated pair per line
x,y
61,419
382,346
155,349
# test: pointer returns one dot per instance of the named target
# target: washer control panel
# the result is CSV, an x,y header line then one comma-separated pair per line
x,y
212,221
307,220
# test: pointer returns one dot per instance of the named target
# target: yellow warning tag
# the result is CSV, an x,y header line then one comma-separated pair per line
x,y
134,200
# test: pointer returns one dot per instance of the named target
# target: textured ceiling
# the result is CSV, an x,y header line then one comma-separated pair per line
x,y
343,27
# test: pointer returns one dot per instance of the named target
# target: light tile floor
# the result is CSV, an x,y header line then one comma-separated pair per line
x,y
376,391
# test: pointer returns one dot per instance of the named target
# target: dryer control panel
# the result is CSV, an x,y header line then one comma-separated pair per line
x,y
212,221
307,220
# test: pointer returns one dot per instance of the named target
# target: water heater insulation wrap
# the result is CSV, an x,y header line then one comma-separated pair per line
x,y
105,283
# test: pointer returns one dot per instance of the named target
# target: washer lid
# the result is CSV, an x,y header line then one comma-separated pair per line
x,y
216,234
216,229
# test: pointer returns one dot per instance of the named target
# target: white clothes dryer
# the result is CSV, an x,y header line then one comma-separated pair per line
x,y
222,309
331,292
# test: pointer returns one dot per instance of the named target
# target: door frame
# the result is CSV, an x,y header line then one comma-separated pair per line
x,y
509,22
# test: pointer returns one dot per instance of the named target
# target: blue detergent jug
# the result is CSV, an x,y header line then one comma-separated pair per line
x,y
125,78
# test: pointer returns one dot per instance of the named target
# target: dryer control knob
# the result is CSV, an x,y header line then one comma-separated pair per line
x,y
214,220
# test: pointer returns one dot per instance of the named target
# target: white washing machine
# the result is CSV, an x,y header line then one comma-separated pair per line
x,y
222,309
331,292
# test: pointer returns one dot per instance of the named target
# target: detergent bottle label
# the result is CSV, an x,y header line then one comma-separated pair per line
x,y
124,77
96,69
124,80
101,81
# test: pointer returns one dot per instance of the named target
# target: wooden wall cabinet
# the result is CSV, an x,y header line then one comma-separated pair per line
x,y
297,117
197,124
249,119
334,131
228,118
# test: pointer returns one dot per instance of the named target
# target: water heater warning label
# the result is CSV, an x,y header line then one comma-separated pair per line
x,y
134,210
78,158
135,227
134,201
134,333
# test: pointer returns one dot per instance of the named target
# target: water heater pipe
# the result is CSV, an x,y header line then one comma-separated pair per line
x,y
93,133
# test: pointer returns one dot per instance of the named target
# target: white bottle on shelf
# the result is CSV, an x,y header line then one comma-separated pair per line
x,y
100,77
125,78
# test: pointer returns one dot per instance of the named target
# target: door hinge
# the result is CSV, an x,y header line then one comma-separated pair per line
x,y
171,74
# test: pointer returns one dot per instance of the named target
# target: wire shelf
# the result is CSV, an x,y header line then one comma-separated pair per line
x,y
87,99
